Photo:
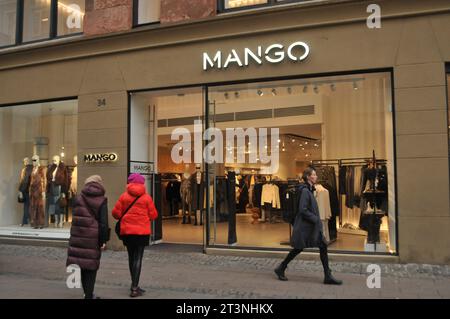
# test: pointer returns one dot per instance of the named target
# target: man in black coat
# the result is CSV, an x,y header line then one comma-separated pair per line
x,y
308,229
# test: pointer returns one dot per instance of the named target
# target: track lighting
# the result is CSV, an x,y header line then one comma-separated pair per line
x,y
305,89
274,92
355,86
260,93
236,94
227,96
316,89
333,87
289,90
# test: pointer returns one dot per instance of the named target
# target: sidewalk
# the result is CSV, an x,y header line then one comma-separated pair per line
x,y
175,272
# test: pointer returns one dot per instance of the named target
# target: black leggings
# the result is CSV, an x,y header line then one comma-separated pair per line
x,y
135,255
323,257
88,282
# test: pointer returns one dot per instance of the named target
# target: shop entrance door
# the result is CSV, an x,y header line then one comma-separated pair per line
x,y
166,145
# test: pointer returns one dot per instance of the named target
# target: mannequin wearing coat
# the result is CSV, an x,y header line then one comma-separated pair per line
x,y
24,189
37,194
57,188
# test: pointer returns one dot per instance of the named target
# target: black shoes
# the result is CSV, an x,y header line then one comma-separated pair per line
x,y
137,292
330,280
279,271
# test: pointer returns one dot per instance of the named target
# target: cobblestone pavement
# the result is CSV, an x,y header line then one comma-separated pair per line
x,y
168,272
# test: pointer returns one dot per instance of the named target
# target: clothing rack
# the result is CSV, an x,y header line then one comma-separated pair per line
x,y
356,161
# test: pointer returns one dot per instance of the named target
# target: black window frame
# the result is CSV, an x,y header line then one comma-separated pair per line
x,y
270,3
136,16
53,29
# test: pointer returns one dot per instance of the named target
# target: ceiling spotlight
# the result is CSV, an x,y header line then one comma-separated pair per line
x,y
284,150
289,90
236,94
279,140
355,86
305,89
316,89
274,92
293,140
307,155
260,93
227,96
316,145
306,143
333,87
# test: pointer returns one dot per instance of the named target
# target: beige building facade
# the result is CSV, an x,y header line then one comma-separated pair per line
x,y
412,46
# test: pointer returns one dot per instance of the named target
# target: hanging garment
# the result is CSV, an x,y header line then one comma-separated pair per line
x,y
197,191
271,194
323,201
342,179
231,186
335,211
349,185
257,193
290,203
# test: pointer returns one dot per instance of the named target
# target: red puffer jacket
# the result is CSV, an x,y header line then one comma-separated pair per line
x,y
137,219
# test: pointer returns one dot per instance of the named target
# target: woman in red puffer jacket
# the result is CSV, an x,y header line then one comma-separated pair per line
x,y
135,226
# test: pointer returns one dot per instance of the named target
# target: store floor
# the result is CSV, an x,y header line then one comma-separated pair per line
x,y
251,235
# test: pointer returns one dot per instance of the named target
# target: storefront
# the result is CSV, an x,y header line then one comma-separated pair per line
x,y
366,107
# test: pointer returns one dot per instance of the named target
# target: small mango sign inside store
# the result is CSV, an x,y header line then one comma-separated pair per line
x,y
101,158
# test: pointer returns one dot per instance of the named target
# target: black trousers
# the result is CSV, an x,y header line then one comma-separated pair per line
x,y
88,278
135,255
323,257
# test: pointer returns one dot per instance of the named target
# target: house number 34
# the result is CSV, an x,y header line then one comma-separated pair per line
x,y
101,102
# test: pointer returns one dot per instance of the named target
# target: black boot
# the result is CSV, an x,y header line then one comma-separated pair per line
x,y
330,280
279,271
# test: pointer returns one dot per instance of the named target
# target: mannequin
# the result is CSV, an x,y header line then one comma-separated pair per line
x,y
57,188
37,194
24,187
185,192
197,194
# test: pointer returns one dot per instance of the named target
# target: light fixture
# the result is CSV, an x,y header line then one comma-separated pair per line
x,y
305,89
306,143
333,87
236,94
316,145
274,92
289,90
355,85
227,96
293,140
316,89
307,155
279,140
260,93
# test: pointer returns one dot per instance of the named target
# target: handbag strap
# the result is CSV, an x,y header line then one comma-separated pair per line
x,y
135,200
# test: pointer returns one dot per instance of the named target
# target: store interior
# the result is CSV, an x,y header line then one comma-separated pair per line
x,y
39,168
341,125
